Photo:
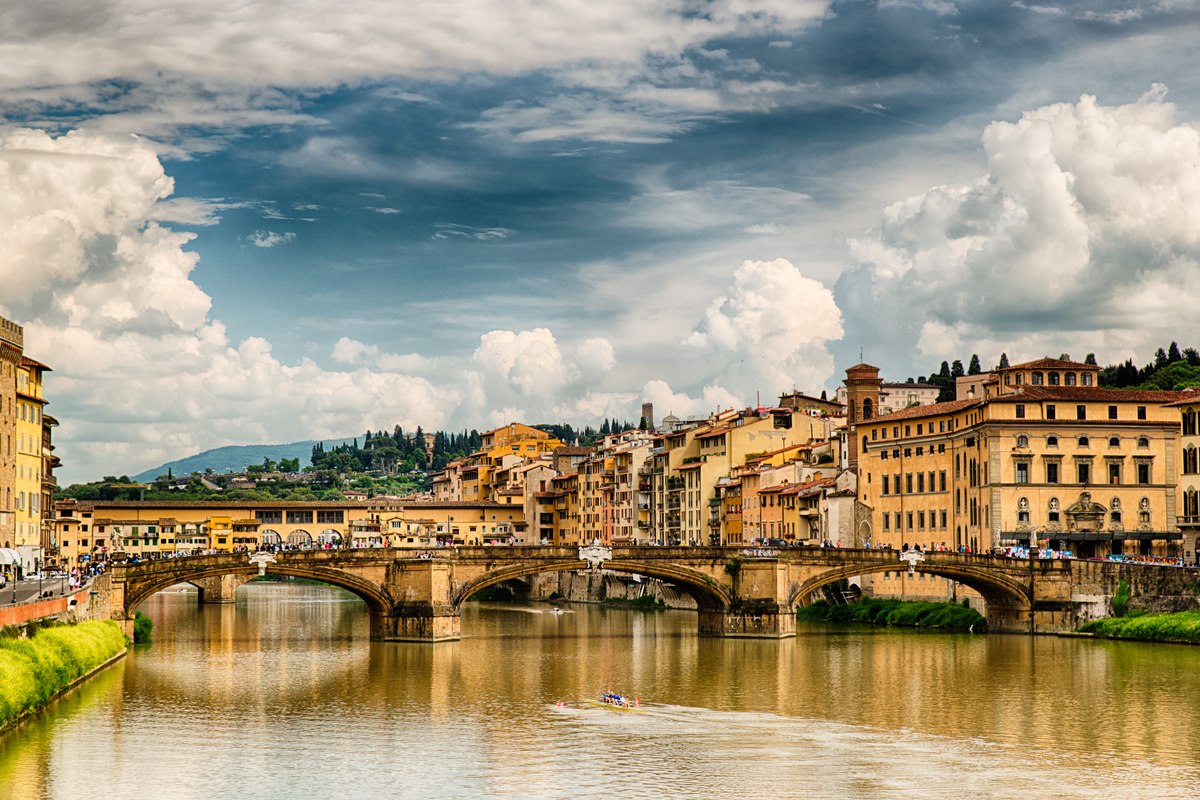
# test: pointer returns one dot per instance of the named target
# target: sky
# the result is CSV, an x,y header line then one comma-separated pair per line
x,y
243,222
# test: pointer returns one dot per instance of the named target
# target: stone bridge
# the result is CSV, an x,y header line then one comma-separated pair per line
x,y
738,591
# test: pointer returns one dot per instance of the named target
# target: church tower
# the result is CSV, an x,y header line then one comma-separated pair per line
x,y
862,403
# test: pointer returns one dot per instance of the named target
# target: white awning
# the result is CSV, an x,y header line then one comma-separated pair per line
x,y
10,556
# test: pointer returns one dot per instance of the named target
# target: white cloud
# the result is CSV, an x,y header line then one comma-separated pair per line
x,y
769,332
1085,228
269,239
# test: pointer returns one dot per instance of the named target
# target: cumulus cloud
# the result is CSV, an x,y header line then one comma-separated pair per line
x,y
1085,227
770,330
143,373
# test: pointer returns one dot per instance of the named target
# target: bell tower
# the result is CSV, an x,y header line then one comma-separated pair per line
x,y
862,403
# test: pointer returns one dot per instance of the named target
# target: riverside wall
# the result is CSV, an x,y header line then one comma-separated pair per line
x,y
71,607
588,586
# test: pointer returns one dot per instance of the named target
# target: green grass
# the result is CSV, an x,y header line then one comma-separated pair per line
x,y
34,670
897,613
1183,626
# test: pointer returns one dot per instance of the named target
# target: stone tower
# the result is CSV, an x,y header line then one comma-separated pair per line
x,y
862,402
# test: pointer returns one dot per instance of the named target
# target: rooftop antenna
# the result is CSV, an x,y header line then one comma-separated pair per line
x,y
860,355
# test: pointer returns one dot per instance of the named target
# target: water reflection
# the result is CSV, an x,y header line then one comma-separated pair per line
x,y
282,694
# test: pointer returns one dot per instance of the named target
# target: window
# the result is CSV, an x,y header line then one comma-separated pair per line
x,y
909,520
1083,472
1141,412
1052,378
942,481
1022,441
331,517
1083,441
885,484
1143,472
921,520
1112,412
1050,412
1051,441
908,484
1036,379
920,428
1080,412
1069,378
1114,441
887,520
921,482
1020,411
1022,472
1114,473
1086,379
1052,472
1143,441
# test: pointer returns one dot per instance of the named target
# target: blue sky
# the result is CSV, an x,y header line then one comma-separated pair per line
x,y
232,222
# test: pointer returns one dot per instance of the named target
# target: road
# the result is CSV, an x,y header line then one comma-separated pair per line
x,y
23,591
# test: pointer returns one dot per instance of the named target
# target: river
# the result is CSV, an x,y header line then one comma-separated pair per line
x,y
282,695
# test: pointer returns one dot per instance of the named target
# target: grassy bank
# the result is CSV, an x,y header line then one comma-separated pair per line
x,y
1181,627
898,613
34,670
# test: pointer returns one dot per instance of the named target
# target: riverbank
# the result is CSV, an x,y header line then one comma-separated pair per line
x,y
36,670
897,613
1182,627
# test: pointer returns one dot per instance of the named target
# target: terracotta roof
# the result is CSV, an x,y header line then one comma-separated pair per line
x,y
1092,393
713,432
932,410
1053,363
693,465
811,486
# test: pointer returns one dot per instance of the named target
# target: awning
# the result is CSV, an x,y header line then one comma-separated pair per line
x,y
10,556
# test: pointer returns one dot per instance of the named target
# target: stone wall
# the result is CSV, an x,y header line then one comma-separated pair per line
x,y
596,587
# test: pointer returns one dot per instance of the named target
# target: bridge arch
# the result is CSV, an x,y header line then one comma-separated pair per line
x,y
138,591
997,588
708,594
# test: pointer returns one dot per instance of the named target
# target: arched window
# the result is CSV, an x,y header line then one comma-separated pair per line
x,y
1189,423
1085,379
867,408
1083,441
1036,378
1022,441
1143,441
864,447
1069,378
1114,441
1052,378
1052,441
1190,463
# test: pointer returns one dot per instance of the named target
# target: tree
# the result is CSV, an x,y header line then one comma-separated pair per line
x,y
1173,354
956,369
642,424
974,368
1160,358
1003,361
823,395
1090,359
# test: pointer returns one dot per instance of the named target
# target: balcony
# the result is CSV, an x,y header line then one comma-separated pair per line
x,y
1188,522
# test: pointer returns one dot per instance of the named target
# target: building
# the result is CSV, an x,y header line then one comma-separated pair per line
x,y
26,454
1045,457
1187,496
95,530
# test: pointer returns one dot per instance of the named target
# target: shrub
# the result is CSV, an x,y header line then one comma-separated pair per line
x,y
1120,601
1180,627
34,670
898,613
142,625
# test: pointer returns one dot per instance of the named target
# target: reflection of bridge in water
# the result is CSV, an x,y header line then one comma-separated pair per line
x,y
738,592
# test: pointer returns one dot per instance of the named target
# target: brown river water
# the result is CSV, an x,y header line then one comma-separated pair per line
x,y
283,695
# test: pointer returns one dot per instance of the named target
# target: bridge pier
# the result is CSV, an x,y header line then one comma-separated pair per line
x,y
417,622
752,620
219,588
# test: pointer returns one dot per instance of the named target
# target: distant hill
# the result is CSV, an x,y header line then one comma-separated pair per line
x,y
236,458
